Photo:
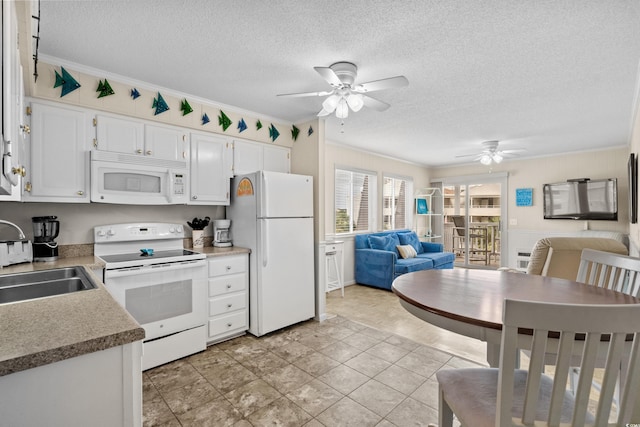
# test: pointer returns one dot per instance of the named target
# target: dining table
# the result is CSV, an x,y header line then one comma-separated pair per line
x,y
470,301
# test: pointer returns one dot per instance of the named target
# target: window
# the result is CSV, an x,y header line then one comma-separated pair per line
x,y
397,198
355,201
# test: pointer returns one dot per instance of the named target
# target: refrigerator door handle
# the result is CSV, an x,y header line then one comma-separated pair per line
x,y
265,237
264,200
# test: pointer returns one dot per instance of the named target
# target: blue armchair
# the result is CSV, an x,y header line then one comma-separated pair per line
x,y
377,262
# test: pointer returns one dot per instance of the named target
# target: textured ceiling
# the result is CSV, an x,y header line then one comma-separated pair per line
x,y
545,76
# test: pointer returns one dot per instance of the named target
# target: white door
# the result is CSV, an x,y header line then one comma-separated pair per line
x,y
119,135
165,142
285,285
210,169
282,195
59,154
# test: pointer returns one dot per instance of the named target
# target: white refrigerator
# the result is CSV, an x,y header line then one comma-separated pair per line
x,y
271,213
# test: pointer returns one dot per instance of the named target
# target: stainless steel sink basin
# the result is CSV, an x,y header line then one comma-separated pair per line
x,y
44,283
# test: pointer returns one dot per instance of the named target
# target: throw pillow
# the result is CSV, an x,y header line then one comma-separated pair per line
x,y
383,243
406,251
411,239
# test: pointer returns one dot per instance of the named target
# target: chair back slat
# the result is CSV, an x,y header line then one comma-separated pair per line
x,y
608,270
594,321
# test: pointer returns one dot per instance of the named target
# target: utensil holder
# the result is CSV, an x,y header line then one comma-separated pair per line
x,y
198,238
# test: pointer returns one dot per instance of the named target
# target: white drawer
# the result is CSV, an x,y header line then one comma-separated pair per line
x,y
227,284
228,323
227,304
227,265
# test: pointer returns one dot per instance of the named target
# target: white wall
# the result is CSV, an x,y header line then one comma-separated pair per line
x,y
344,157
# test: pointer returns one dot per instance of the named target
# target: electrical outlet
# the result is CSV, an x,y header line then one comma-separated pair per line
x,y
513,221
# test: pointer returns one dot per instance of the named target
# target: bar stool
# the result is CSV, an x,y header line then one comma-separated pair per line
x,y
333,267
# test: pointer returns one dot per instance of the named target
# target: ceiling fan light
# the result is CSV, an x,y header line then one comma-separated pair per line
x,y
331,103
497,158
355,101
342,110
485,159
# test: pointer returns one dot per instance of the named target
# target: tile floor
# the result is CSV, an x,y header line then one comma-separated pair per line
x,y
370,364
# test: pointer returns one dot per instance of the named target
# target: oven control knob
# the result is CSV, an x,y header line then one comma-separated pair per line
x,y
179,229
111,232
172,230
101,233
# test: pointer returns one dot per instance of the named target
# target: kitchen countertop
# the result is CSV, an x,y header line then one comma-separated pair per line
x,y
46,330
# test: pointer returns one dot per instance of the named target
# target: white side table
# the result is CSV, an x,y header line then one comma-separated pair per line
x,y
334,272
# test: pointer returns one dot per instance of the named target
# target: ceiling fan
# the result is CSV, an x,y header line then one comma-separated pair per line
x,y
346,94
491,154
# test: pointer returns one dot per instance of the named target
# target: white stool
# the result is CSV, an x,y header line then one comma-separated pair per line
x,y
333,279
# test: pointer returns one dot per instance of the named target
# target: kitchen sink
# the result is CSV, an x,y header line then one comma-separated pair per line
x,y
44,283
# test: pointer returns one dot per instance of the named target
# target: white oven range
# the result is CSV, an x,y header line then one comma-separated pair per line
x,y
161,285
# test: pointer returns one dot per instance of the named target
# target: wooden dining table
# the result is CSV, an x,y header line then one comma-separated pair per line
x,y
470,302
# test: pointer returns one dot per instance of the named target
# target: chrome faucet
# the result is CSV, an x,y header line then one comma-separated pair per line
x,y
21,235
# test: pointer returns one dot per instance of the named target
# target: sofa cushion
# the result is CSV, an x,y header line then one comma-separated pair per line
x,y
412,264
411,239
406,251
384,243
438,258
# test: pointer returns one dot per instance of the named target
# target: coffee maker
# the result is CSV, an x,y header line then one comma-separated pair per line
x,y
221,233
45,229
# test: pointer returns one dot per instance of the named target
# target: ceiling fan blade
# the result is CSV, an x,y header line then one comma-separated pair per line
x,y
329,75
469,155
324,112
303,94
374,103
390,83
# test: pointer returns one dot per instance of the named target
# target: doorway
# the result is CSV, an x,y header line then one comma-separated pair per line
x,y
474,209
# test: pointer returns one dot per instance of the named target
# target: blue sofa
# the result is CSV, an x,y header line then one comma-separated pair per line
x,y
377,262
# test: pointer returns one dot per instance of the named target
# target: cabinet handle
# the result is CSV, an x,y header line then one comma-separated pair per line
x,y
80,193
228,286
139,151
229,305
19,171
148,152
27,187
229,325
26,129
228,267
194,197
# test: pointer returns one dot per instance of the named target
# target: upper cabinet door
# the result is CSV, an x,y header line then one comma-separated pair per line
x,y
165,142
120,135
59,154
276,159
210,169
247,157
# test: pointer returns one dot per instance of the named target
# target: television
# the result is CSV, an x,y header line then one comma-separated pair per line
x,y
582,199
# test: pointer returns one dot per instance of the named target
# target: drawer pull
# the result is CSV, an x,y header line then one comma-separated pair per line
x,y
228,267
229,305
228,286
229,325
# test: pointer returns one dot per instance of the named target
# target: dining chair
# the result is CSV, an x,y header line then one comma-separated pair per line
x,y
611,271
477,239
506,396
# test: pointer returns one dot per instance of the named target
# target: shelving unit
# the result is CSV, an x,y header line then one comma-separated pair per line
x,y
429,204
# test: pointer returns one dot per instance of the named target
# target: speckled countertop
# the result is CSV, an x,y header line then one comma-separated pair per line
x,y
46,330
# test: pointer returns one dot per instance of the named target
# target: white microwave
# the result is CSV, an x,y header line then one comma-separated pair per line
x,y
137,180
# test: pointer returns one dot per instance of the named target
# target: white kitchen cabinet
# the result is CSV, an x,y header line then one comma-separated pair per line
x,y
131,136
165,142
253,156
119,134
96,389
211,169
58,154
228,297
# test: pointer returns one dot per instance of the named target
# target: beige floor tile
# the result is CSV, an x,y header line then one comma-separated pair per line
x,y
317,340
155,412
187,397
280,412
348,413
401,379
287,378
361,341
410,412
377,397
292,350
220,413
427,393
340,351
230,378
388,352
421,365
314,397
344,379
252,396
264,363
368,364
316,364
173,375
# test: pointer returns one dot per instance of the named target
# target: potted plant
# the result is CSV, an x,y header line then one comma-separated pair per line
x,y
197,230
